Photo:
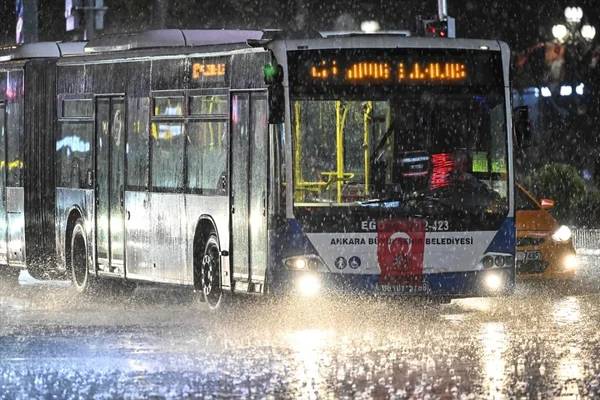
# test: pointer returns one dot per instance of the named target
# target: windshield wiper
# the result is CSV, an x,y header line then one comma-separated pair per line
x,y
376,202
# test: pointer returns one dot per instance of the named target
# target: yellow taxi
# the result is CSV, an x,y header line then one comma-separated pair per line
x,y
544,247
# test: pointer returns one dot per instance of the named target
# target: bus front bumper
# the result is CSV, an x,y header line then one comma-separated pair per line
x,y
492,282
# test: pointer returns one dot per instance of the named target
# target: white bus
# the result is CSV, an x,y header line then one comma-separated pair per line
x,y
237,162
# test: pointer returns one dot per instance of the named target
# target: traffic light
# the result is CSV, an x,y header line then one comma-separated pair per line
x,y
273,74
436,29
441,28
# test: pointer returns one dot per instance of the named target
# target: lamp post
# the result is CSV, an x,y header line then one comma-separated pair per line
x,y
575,38
572,52
566,99
574,30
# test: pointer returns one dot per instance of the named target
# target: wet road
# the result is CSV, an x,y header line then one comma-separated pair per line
x,y
543,342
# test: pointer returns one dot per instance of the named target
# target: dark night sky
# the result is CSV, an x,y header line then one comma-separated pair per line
x,y
520,23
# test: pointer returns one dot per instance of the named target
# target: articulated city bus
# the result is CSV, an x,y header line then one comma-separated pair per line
x,y
238,161
27,123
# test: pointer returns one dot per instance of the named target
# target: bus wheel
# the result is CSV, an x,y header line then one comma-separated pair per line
x,y
211,273
79,265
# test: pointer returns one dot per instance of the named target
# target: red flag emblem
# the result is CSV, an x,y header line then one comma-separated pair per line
x,y
400,248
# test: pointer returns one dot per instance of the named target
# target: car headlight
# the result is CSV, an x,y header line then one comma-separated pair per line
x,y
562,234
570,261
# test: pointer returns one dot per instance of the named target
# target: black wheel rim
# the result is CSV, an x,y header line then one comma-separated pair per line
x,y
211,287
79,264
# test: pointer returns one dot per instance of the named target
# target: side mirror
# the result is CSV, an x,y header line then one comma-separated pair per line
x,y
522,127
546,204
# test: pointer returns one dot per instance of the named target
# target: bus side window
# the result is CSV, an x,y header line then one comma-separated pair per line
x,y
14,140
2,149
167,154
74,153
167,133
138,143
207,155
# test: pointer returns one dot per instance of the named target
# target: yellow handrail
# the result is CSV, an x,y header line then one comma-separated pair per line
x,y
298,195
318,186
367,150
340,122
210,125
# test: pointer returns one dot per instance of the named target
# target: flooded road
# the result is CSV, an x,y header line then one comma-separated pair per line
x,y
542,342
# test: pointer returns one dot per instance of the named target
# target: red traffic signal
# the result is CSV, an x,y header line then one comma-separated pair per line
x,y
436,29
439,28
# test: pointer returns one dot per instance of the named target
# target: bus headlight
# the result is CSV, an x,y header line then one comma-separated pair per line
x,y
493,281
496,260
499,261
298,263
570,261
308,285
308,262
488,261
562,234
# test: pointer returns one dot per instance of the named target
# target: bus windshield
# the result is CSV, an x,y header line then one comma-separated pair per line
x,y
429,147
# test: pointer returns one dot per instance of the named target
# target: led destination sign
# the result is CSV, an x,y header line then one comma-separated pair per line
x,y
208,72
313,69
373,71
212,70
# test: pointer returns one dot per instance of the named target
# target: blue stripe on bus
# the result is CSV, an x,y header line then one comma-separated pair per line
x,y
294,241
505,239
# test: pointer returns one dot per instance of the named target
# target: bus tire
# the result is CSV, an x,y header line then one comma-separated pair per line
x,y
80,272
210,273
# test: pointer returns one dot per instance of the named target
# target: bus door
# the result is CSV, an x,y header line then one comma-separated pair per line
x,y
3,169
109,190
249,179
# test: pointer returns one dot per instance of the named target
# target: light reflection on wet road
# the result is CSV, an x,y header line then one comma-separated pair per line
x,y
543,342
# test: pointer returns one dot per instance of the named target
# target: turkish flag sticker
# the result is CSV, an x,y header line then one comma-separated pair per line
x,y
400,248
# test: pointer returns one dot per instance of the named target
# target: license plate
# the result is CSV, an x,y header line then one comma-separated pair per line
x,y
402,289
525,256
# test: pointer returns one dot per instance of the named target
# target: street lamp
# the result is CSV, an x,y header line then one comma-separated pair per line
x,y
573,31
573,14
588,32
560,32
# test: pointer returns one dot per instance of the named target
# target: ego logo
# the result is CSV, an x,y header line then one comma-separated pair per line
x,y
369,225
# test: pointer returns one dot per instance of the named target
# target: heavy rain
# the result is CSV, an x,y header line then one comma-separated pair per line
x,y
299,199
